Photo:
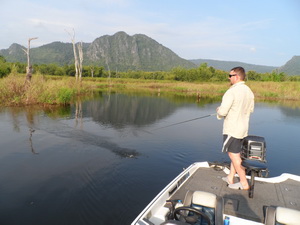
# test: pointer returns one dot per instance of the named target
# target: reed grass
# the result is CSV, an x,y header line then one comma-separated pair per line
x,y
276,90
41,90
49,90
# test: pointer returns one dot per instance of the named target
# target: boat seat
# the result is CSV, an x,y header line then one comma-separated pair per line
x,y
255,167
208,203
174,222
282,216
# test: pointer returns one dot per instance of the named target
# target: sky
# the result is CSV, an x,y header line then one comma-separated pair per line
x,y
262,32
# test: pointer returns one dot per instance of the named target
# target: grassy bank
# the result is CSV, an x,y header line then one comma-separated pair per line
x,y
264,91
41,90
64,90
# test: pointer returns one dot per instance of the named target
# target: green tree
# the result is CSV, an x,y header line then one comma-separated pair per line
x,y
252,75
180,73
4,67
2,59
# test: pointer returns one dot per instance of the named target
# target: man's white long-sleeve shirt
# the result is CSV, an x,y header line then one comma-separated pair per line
x,y
237,104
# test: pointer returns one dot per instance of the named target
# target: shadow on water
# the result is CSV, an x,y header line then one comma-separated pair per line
x,y
59,129
99,141
67,185
116,111
120,112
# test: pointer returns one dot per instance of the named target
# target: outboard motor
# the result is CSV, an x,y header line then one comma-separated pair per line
x,y
254,148
253,155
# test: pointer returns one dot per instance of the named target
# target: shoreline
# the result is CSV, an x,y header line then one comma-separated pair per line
x,y
53,90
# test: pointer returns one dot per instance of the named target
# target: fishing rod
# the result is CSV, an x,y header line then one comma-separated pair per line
x,y
201,117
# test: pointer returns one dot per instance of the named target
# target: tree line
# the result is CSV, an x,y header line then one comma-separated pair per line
x,y
203,73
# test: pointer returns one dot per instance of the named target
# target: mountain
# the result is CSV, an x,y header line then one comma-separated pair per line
x,y
292,67
228,65
14,53
56,52
137,52
118,52
122,52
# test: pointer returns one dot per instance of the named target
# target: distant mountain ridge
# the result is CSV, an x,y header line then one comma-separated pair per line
x,y
123,52
118,52
292,67
227,65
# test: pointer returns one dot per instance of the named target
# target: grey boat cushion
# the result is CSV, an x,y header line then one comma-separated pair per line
x,y
287,216
204,198
211,204
282,216
205,202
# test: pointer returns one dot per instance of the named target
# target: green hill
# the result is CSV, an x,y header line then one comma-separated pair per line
x,y
14,53
292,67
138,52
122,52
118,52
227,65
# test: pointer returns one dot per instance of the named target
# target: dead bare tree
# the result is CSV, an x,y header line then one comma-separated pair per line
x,y
29,67
92,68
80,54
75,53
109,74
78,63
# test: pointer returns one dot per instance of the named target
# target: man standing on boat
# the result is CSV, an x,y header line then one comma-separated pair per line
x,y
236,107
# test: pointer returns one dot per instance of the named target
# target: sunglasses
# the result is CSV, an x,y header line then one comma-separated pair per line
x,y
229,75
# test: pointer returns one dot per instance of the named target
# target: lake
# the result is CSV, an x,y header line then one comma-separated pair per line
x,y
101,161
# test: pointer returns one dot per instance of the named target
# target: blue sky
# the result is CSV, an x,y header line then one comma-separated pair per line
x,y
262,32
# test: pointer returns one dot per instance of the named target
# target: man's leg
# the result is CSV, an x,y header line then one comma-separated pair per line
x,y
231,173
236,161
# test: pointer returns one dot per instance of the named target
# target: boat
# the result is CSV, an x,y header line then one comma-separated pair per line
x,y
198,195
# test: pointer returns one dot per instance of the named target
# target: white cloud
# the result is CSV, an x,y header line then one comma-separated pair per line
x,y
44,23
256,25
190,34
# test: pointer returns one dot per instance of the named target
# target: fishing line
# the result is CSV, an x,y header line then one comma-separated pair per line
x,y
201,117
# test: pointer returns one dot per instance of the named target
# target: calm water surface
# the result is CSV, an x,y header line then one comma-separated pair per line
x,y
103,160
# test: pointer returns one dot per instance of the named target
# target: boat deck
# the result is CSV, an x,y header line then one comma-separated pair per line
x,y
237,203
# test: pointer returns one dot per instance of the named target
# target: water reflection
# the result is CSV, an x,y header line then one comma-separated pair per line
x,y
82,165
291,113
30,141
29,113
114,111
120,110
32,119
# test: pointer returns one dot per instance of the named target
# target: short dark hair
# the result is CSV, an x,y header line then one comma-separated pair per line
x,y
240,71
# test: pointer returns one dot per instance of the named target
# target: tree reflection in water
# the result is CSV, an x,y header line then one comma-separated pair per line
x,y
117,112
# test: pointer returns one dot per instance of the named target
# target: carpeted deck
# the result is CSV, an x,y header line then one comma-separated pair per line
x,y
237,202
